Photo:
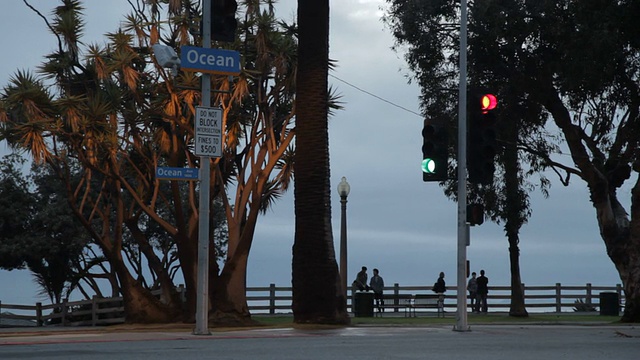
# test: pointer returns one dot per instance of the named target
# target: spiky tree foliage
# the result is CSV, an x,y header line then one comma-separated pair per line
x,y
120,115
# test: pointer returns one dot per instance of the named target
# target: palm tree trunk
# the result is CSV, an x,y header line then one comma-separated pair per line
x,y
317,295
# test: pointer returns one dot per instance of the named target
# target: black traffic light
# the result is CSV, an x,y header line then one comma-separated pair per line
x,y
223,20
475,214
435,151
481,137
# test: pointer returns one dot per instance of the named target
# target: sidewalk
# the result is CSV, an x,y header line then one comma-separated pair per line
x,y
134,332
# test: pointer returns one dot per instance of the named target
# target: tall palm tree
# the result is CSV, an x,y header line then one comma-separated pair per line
x,y
317,295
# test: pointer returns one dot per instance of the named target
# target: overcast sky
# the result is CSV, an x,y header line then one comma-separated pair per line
x,y
396,222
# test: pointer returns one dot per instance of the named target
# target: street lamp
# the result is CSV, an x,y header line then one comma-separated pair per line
x,y
343,191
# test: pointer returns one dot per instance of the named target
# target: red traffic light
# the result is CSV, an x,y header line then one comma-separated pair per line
x,y
488,102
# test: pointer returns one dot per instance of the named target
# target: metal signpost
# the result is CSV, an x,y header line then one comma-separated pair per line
x,y
202,286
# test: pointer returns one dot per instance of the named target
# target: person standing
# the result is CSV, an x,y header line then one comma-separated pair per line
x,y
472,288
360,282
483,290
377,285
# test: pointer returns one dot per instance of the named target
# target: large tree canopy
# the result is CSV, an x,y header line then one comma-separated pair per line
x,y
115,111
567,67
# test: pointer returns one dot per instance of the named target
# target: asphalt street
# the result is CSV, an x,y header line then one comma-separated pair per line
x,y
493,342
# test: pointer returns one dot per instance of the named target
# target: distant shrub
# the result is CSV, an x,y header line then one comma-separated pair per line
x,y
581,306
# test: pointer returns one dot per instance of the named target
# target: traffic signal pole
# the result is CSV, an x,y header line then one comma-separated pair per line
x,y
202,282
463,229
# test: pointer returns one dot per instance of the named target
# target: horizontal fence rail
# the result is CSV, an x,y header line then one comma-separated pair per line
x,y
277,300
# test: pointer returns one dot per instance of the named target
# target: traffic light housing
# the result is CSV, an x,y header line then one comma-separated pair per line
x,y
435,151
481,137
223,20
475,214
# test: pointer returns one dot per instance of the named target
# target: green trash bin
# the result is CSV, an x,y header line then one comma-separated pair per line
x,y
609,304
363,304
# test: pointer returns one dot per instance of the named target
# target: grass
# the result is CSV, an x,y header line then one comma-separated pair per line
x,y
473,319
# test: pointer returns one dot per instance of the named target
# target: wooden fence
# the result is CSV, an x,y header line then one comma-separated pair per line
x,y
277,300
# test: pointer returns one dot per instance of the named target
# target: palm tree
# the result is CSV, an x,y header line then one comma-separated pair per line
x,y
317,294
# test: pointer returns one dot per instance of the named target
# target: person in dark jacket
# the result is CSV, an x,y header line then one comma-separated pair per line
x,y
472,287
360,283
483,290
377,285
440,286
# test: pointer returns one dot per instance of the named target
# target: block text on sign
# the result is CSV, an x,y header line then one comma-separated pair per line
x,y
208,132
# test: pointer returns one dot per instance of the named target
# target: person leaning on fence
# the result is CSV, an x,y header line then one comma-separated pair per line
x,y
360,283
377,285
472,288
483,290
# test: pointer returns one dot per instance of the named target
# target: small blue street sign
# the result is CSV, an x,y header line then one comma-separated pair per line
x,y
209,60
175,173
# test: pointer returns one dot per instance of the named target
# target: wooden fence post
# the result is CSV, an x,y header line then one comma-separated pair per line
x,y
558,297
589,295
94,310
64,311
39,321
396,298
272,299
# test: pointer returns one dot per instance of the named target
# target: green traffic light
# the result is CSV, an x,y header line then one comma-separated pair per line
x,y
429,166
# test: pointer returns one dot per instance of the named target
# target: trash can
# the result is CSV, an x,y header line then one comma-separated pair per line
x,y
609,304
363,304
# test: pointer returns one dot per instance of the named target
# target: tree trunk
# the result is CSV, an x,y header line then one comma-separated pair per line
x,y
140,306
623,248
621,235
516,214
229,298
517,307
317,294
188,254
229,305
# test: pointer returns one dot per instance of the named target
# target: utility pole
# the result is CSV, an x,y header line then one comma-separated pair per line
x,y
202,288
463,229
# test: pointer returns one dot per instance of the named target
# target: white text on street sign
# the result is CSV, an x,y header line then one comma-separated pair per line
x,y
208,132
176,173
209,60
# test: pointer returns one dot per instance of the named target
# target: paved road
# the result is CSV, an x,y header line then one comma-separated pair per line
x,y
493,342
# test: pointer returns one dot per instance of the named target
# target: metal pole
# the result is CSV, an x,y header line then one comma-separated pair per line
x,y
343,245
202,303
461,316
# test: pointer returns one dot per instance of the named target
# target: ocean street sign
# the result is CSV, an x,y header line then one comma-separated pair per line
x,y
208,132
175,173
208,60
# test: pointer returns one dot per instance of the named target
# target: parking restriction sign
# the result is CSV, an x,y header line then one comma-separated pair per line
x,y
208,132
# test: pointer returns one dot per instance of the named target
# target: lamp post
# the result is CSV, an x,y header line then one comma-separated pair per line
x,y
343,191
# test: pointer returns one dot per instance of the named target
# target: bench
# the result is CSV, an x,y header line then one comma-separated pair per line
x,y
395,302
428,301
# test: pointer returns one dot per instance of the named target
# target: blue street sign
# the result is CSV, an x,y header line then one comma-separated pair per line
x,y
174,173
208,60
